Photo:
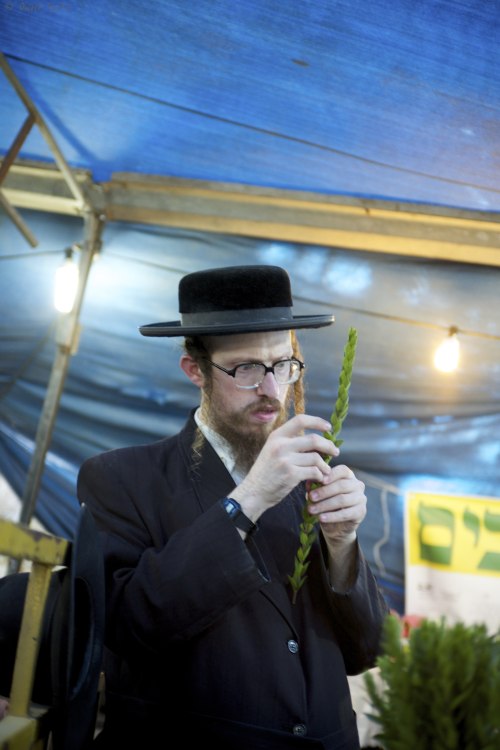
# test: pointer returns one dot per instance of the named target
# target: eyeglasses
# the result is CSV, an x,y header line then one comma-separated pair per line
x,y
251,374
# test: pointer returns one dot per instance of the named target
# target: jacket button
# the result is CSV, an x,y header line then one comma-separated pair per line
x,y
299,729
293,646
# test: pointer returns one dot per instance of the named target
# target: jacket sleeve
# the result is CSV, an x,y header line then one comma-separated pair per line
x,y
358,616
171,571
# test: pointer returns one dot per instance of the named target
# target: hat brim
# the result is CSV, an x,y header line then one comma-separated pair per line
x,y
175,327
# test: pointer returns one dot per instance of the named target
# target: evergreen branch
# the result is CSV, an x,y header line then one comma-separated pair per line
x,y
308,524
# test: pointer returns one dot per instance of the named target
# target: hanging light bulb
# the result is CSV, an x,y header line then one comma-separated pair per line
x,y
66,283
447,354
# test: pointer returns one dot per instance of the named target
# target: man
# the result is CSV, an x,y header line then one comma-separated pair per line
x,y
200,531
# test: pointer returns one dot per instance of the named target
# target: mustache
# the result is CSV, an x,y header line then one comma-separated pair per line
x,y
264,402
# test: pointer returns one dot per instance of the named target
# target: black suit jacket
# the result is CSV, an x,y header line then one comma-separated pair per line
x,y
201,630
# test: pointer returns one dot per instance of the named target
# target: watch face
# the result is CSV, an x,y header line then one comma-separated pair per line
x,y
240,520
231,506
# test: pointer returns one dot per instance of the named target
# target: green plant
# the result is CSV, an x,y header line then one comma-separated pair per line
x,y
308,524
438,690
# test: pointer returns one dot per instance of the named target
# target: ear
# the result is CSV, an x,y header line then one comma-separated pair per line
x,y
192,370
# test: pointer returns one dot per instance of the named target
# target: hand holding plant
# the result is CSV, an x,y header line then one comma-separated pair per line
x,y
308,525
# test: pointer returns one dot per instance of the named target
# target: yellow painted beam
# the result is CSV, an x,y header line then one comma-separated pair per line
x,y
45,551
23,542
366,225
22,732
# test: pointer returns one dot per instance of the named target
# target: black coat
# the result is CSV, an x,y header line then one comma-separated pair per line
x,y
201,631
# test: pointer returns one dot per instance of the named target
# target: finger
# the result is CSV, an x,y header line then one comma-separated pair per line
x,y
348,488
339,502
343,515
314,443
301,422
335,482
341,471
305,467
341,493
340,508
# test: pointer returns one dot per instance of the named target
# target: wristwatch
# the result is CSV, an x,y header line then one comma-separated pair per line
x,y
240,520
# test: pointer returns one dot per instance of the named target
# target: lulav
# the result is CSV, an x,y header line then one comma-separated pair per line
x,y
308,524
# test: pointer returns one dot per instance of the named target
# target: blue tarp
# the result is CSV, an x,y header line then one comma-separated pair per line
x,y
395,100
391,98
408,426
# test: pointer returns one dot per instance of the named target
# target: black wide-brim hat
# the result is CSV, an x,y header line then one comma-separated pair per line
x,y
71,642
235,299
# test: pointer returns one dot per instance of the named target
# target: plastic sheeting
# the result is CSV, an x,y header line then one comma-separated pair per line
x,y
408,426
391,99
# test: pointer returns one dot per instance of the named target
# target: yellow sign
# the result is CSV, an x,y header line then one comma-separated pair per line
x,y
453,533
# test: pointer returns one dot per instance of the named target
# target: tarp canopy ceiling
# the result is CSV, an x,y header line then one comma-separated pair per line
x,y
382,105
391,98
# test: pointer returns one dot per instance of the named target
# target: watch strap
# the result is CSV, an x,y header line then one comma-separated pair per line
x,y
235,513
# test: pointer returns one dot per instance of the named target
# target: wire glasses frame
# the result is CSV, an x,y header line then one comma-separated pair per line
x,y
249,375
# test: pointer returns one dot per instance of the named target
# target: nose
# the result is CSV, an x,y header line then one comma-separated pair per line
x,y
269,386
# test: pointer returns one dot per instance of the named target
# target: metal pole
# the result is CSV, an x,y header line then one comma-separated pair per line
x,y
67,341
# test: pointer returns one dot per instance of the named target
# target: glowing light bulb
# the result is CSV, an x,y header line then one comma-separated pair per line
x,y
66,284
448,352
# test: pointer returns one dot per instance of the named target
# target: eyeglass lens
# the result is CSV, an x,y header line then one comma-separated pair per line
x,y
253,373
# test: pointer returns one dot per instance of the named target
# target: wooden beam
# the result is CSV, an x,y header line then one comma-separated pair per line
x,y
414,230
41,187
405,229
